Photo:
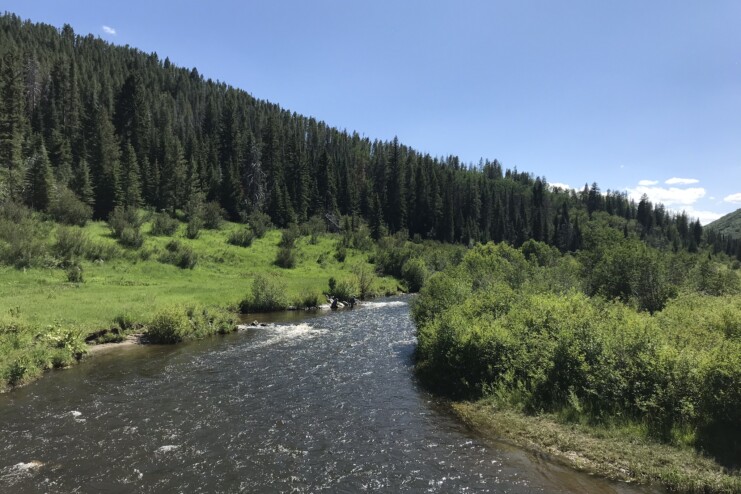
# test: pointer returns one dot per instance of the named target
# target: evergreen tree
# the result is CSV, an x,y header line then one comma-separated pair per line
x,y
39,178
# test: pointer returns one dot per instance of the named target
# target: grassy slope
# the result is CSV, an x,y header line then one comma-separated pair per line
x,y
134,287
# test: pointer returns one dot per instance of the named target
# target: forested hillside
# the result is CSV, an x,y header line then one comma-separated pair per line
x,y
728,226
122,128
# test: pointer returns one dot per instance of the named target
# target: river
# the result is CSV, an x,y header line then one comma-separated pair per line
x,y
305,404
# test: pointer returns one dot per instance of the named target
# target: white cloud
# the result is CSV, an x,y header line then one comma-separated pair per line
x,y
668,195
733,198
648,182
705,217
681,181
109,30
560,185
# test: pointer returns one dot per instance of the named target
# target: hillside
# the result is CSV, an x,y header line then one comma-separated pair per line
x,y
729,225
123,128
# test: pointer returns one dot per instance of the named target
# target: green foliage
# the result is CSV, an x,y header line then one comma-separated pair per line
x,y
259,222
242,237
125,225
69,210
26,351
182,256
22,243
414,273
289,236
213,216
490,327
286,258
74,273
169,325
267,295
193,229
365,277
340,253
164,225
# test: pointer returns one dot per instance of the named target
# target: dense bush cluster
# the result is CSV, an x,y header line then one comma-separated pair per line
x,y
176,324
490,327
27,351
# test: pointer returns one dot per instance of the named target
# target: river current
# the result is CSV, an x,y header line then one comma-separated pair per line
x,y
306,404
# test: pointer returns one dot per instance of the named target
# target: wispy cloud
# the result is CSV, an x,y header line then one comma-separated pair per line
x,y
681,181
648,183
109,30
705,217
733,198
559,185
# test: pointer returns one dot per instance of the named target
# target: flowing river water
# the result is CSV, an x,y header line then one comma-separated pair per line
x,y
305,404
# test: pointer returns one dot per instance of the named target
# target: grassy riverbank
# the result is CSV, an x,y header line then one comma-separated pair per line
x,y
618,453
45,317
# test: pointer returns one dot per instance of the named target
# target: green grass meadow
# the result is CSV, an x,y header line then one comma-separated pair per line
x,y
42,313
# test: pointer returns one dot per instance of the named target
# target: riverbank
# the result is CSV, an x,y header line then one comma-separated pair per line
x,y
612,453
46,317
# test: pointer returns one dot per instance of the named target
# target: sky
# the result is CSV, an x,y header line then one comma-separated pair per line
x,y
640,97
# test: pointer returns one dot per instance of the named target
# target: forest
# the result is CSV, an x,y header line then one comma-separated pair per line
x,y
117,127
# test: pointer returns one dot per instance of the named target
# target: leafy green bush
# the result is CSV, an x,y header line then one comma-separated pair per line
x,y
122,218
164,225
286,258
259,222
484,328
69,210
169,325
289,236
267,294
213,216
193,229
74,273
23,244
414,273
241,238
131,237
308,299
340,253
182,256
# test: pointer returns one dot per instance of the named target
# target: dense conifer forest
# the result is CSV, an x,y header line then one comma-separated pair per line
x,y
121,128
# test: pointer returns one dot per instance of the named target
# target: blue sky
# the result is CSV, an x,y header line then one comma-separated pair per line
x,y
637,96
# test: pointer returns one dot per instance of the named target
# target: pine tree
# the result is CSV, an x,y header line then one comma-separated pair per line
x,y
82,185
130,179
39,178
12,125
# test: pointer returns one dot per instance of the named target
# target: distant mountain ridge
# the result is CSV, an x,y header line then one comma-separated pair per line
x,y
729,225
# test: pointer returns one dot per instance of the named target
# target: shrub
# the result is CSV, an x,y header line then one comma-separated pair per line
x,y
164,225
74,273
72,243
340,253
169,325
122,218
289,236
179,255
69,210
308,299
14,212
343,289
286,258
23,244
213,216
131,237
414,273
268,294
364,279
241,238
194,227
259,222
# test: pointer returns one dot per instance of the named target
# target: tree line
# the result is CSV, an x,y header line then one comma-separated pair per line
x,y
122,128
